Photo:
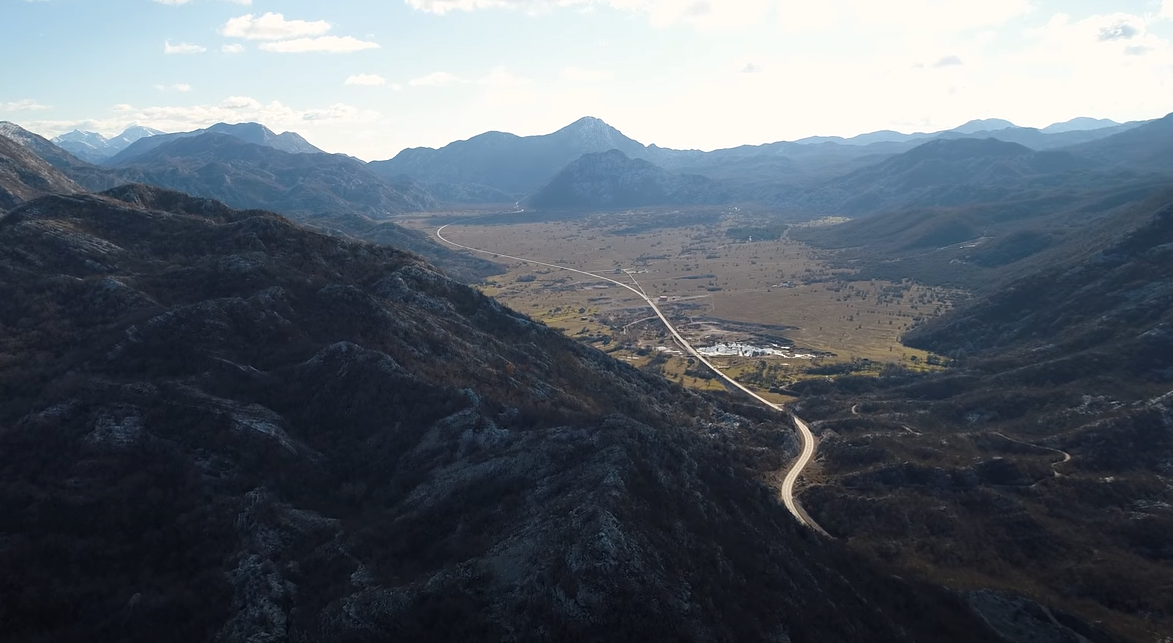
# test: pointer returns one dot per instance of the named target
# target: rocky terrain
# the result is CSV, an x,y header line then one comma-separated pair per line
x,y
87,175
1041,461
221,426
611,180
249,175
24,176
331,192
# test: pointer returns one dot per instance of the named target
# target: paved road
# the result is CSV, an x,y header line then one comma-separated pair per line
x,y
808,438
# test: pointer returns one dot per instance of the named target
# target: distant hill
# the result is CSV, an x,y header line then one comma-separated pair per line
x,y
944,172
1113,298
95,148
983,125
1082,123
1147,147
248,175
612,180
517,165
254,133
25,176
511,164
1042,140
331,192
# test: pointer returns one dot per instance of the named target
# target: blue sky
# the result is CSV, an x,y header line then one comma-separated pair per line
x,y
370,78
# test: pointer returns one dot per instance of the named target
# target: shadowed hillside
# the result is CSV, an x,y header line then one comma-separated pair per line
x,y
220,425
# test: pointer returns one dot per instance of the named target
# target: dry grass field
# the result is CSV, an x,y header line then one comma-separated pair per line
x,y
717,280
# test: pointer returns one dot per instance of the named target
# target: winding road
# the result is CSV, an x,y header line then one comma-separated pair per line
x,y
808,438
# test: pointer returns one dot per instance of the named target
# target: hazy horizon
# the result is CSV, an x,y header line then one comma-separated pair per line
x,y
370,80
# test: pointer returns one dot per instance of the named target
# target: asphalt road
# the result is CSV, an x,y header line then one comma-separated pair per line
x,y
807,438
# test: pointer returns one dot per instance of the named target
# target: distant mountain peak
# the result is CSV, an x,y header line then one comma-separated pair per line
x,y
1080,124
595,134
248,132
983,125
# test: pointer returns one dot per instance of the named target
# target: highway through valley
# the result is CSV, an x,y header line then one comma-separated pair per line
x,y
807,438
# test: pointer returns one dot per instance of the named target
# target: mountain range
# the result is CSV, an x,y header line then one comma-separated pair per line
x,y
226,424
498,167
95,148
332,192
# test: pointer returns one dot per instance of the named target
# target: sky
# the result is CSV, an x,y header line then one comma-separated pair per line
x,y
369,78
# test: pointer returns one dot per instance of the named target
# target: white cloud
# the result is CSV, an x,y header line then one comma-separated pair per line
x,y
177,87
1167,9
339,112
233,48
182,48
324,44
272,26
795,15
435,79
397,87
123,107
26,105
366,79
585,75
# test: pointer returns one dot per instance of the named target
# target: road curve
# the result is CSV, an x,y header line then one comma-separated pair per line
x,y
804,432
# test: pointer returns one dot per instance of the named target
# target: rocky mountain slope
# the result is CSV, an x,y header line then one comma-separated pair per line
x,y
254,133
25,176
975,219
611,180
87,175
333,193
1146,148
1115,298
218,425
1042,457
249,175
